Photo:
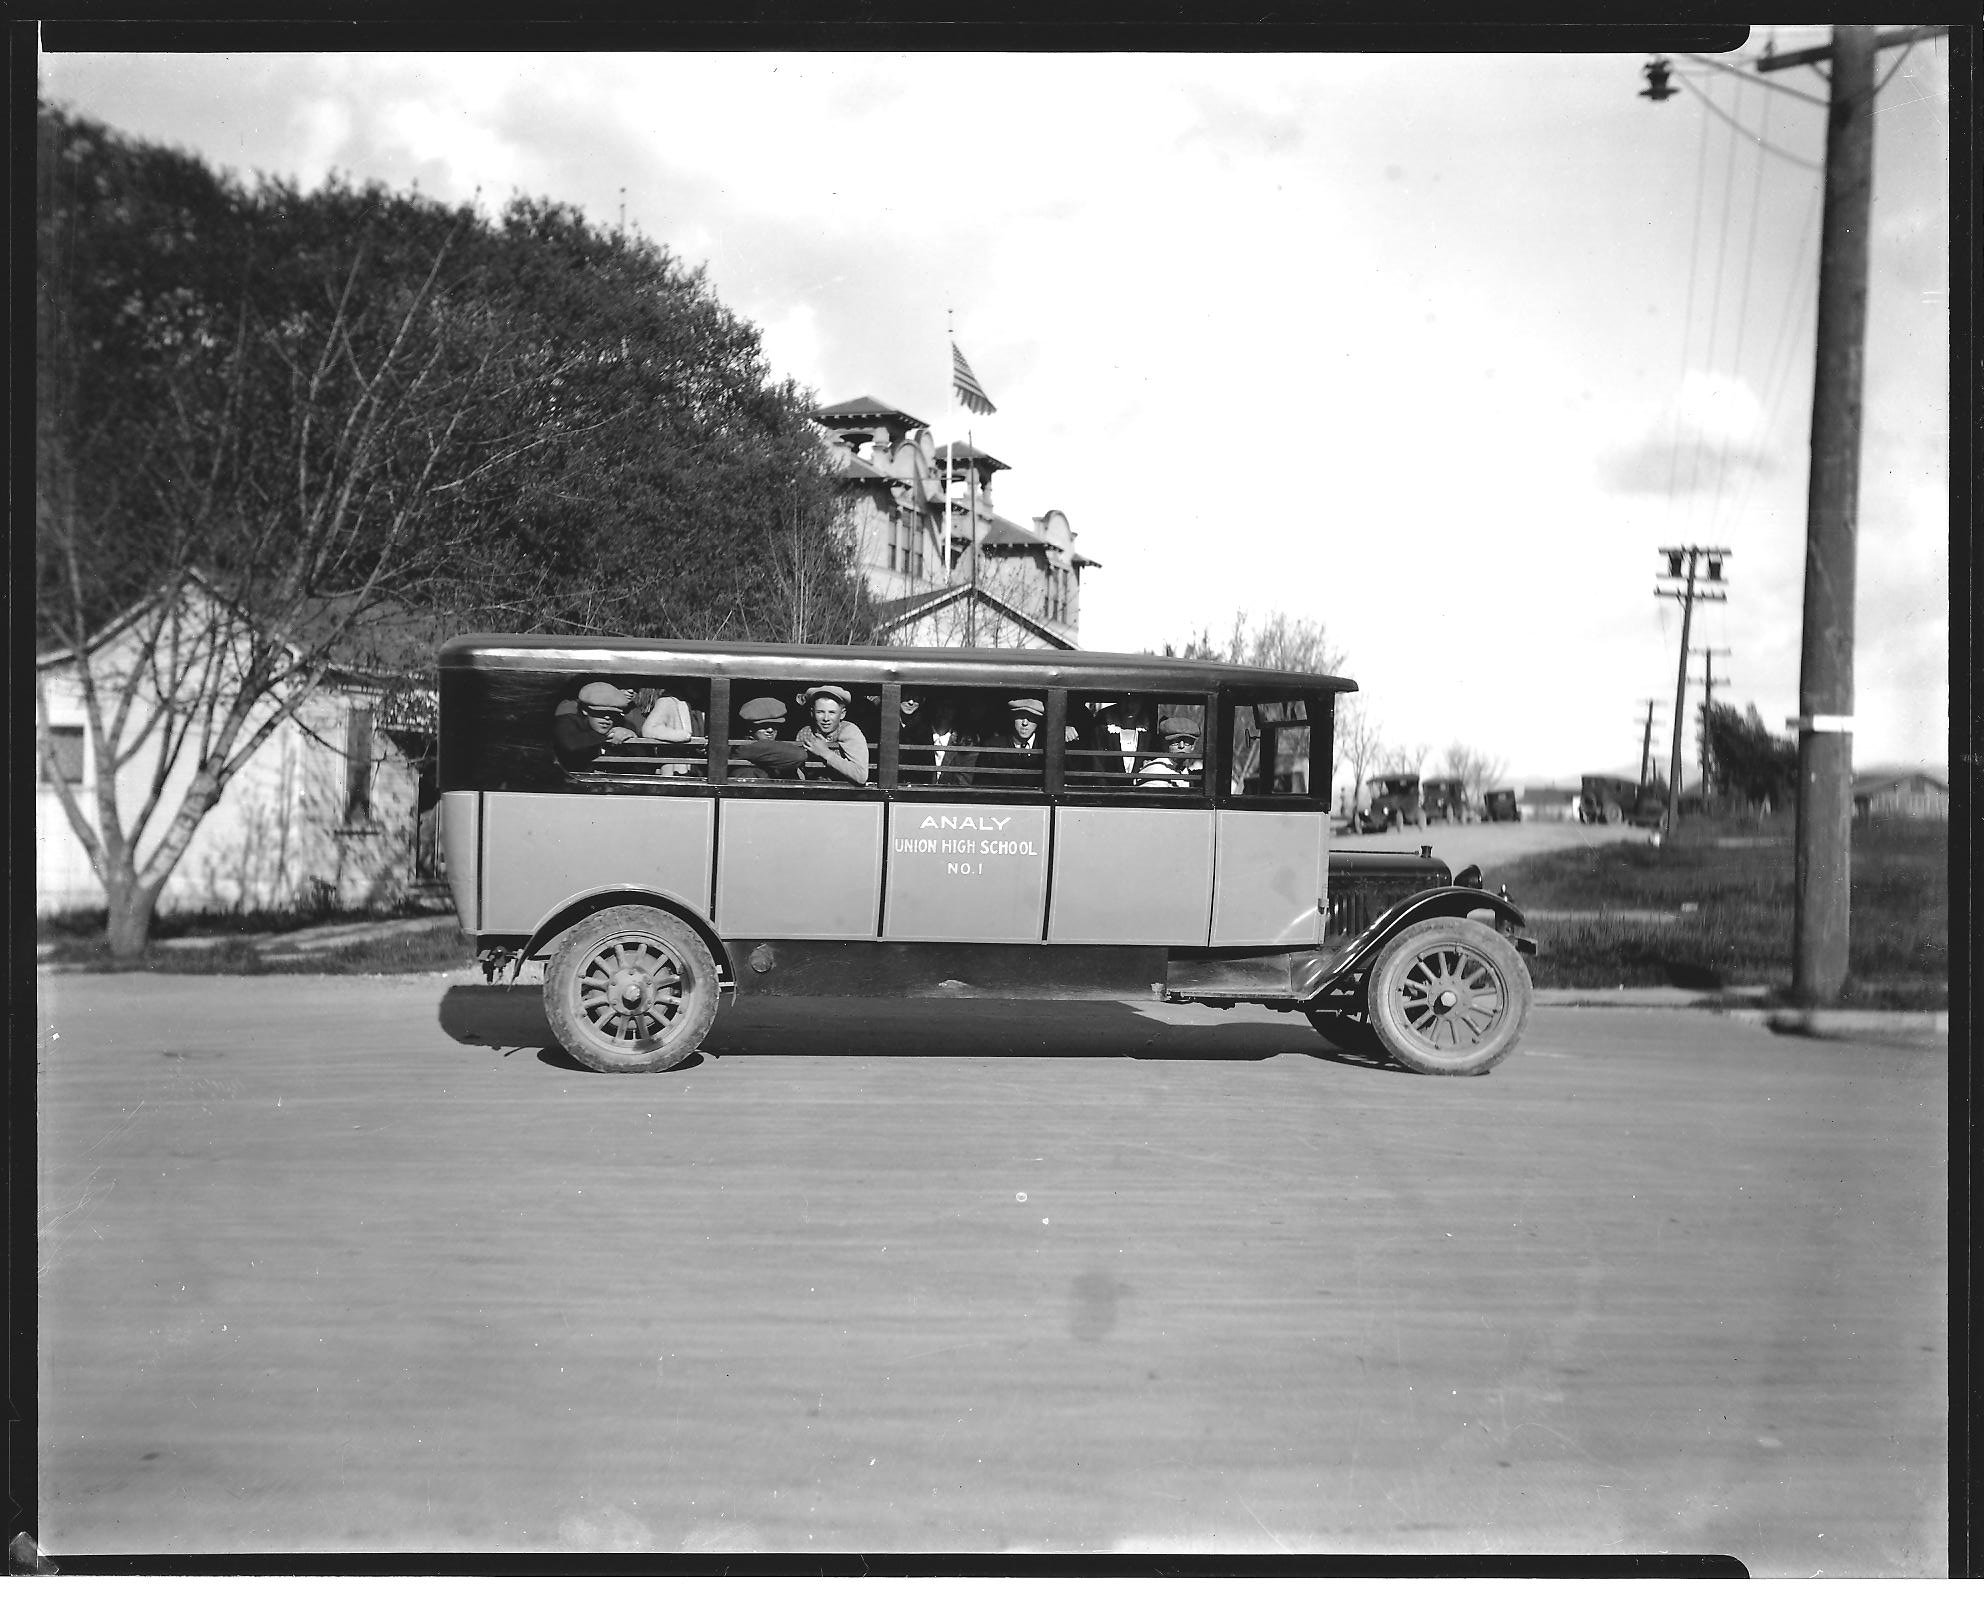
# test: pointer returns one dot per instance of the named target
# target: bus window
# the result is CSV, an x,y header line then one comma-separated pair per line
x,y
1101,739
786,731
924,735
998,739
1271,744
632,729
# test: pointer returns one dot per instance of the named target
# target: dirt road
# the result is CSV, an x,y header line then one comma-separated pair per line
x,y
317,1276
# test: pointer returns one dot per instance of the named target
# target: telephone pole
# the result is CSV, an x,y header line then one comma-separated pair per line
x,y
1710,683
1646,744
1822,853
1684,562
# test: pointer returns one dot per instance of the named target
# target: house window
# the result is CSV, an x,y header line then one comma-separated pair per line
x,y
65,750
358,767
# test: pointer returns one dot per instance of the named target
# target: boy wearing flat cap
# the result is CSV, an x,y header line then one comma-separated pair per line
x,y
1176,768
764,754
582,727
831,738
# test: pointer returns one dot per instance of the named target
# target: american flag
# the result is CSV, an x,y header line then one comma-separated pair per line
x,y
970,394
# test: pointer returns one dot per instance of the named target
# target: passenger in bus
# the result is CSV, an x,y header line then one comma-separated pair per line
x,y
1013,759
582,727
918,740
831,738
762,753
1178,767
1094,756
668,721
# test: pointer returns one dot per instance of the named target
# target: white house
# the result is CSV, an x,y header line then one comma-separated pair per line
x,y
334,809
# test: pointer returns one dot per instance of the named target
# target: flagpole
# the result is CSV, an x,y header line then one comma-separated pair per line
x,y
950,438
971,602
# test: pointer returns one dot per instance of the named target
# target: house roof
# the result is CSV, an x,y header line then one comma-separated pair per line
x,y
387,639
866,408
1891,777
855,468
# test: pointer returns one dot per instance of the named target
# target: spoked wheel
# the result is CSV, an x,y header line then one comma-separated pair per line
x,y
1449,997
631,989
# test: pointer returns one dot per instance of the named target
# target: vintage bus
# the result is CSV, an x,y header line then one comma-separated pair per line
x,y
664,823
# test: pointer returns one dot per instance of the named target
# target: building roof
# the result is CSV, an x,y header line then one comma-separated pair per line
x,y
855,467
866,408
1001,534
964,450
1890,777
894,615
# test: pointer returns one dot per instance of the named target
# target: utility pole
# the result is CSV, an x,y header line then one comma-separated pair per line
x,y
1710,683
1683,562
1823,851
1646,745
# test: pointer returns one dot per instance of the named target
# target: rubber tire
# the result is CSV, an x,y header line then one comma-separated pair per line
x,y
584,1041
1408,1037
1614,813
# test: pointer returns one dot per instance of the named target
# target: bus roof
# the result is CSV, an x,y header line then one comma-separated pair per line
x,y
876,663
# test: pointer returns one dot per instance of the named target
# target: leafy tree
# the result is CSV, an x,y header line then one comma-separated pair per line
x,y
283,435
1748,759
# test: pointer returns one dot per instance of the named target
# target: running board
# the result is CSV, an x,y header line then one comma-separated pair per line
x,y
1282,975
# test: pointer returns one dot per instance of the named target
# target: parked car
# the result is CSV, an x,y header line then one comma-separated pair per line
x,y
1499,805
1602,798
1391,800
1449,800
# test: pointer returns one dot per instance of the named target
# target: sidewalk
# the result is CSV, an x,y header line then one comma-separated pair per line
x,y
1744,1004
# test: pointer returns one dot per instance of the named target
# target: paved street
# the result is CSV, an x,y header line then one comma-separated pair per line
x,y
320,1274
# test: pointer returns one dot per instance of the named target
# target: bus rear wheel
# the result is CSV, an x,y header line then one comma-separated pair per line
x,y
631,989
1449,997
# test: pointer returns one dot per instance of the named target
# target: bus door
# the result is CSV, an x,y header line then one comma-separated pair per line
x,y
1274,831
798,843
969,827
1133,831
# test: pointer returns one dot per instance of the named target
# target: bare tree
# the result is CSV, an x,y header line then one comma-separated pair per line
x,y
1360,742
1476,769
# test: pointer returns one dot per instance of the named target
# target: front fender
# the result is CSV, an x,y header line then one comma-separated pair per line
x,y
1446,900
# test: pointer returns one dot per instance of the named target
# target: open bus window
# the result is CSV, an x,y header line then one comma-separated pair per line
x,y
783,731
1137,742
631,727
1271,747
978,738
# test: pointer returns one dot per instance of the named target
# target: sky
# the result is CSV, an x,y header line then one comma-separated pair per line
x,y
1435,350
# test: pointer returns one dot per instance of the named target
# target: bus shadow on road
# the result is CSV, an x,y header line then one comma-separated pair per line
x,y
513,1019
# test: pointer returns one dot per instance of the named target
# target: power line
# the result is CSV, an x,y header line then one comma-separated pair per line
x,y
1776,150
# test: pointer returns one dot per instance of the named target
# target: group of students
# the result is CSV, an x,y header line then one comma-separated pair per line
x,y
602,715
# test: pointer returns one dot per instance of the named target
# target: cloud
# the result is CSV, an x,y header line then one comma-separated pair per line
x,y
1710,440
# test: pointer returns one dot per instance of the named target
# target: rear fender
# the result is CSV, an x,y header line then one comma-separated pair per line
x,y
1355,959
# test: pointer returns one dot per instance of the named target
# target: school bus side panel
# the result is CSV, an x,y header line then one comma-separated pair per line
x,y
541,850
1124,876
461,855
964,871
1273,867
799,869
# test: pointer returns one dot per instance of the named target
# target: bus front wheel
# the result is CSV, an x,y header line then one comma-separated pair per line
x,y
630,989
1449,997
